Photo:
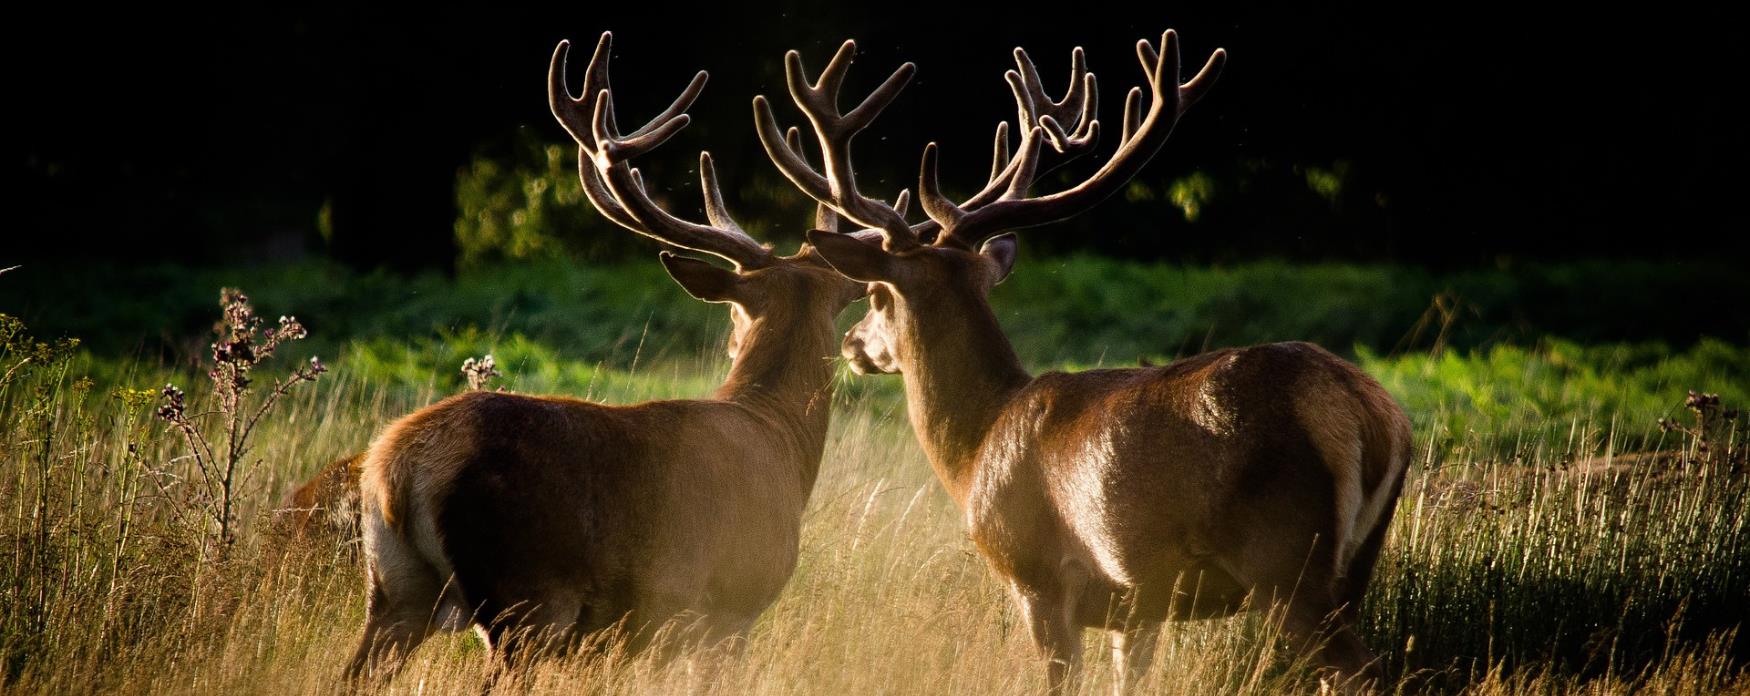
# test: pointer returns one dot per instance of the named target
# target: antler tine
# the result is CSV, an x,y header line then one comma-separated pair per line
x,y
1076,108
1143,137
941,210
824,217
616,188
595,77
715,210
1069,125
1132,114
572,113
568,109
578,120
999,159
793,139
837,188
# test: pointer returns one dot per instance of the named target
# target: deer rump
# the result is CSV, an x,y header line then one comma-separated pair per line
x,y
1227,490
560,513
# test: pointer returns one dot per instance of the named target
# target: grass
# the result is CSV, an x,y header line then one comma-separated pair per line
x,y
1535,550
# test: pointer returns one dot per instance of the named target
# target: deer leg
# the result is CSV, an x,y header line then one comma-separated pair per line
x,y
389,638
404,594
1049,614
1133,650
1315,623
1360,571
518,637
728,634
705,649
1323,630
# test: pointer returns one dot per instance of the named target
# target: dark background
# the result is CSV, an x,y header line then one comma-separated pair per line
x,y
1464,134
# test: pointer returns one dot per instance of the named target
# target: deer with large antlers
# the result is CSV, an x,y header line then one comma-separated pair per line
x,y
1109,499
538,520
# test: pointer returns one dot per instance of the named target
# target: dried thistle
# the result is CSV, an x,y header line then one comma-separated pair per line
x,y
1713,422
481,372
241,345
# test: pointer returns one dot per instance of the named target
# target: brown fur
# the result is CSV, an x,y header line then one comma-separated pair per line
x,y
326,507
542,520
1057,476
1116,499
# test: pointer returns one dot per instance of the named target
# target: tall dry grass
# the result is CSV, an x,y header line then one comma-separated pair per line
x,y
1551,573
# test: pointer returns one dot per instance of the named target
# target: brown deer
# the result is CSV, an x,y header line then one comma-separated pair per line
x,y
325,509
539,520
1115,499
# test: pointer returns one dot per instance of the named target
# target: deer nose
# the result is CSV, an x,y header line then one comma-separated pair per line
x,y
862,365
858,358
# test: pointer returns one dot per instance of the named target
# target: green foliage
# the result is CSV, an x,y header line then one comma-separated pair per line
x,y
41,409
1328,182
1087,310
1077,310
1558,397
528,205
529,366
21,353
515,210
587,312
1189,193
1090,310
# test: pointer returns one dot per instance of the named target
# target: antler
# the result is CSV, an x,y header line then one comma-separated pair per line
x,y
1069,125
837,189
972,222
616,188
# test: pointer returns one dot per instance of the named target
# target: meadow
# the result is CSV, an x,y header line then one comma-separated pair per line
x,y
1553,536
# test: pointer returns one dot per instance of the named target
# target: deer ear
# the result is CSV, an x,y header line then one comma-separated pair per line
x,y
1001,249
703,280
852,258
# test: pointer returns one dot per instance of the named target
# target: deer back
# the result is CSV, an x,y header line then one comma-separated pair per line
x,y
1144,470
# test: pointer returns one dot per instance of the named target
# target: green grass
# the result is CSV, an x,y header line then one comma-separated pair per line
x,y
1082,310
1558,398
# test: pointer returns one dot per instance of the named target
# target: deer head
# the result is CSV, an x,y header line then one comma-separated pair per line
x,y
762,289
933,278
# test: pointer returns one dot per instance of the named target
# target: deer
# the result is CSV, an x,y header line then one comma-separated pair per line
x,y
323,509
540,521
1111,499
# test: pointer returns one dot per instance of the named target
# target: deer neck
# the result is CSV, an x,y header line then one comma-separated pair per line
x,y
784,373
961,372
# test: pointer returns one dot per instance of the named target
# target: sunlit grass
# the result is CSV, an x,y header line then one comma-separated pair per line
x,y
1543,570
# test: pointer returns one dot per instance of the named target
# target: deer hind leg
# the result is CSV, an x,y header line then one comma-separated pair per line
x,y
1316,623
407,603
389,638
1133,649
1354,584
525,633
1289,561
1050,613
701,646
1326,632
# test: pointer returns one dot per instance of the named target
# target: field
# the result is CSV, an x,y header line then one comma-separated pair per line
x,y
1552,537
